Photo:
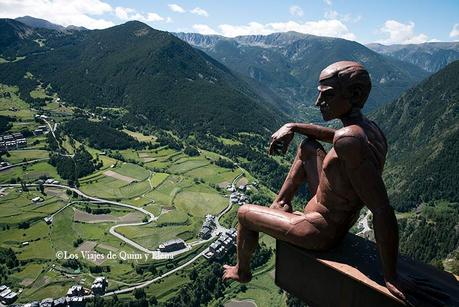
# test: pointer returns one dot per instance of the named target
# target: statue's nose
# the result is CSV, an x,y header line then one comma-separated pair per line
x,y
318,100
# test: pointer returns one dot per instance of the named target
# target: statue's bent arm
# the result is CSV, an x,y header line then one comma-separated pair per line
x,y
316,132
366,180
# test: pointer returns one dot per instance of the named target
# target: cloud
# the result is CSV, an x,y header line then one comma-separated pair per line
x,y
295,10
332,14
249,29
334,28
70,12
204,29
154,17
454,31
125,13
199,11
328,2
400,33
176,8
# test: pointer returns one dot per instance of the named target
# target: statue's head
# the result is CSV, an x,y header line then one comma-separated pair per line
x,y
343,86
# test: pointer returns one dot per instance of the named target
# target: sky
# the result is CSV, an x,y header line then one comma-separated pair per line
x,y
386,22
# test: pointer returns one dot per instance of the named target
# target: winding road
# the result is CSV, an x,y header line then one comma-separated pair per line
x,y
155,254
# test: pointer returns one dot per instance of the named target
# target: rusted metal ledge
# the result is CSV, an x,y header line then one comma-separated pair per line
x,y
349,275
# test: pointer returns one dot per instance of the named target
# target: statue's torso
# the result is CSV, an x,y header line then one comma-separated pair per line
x,y
336,200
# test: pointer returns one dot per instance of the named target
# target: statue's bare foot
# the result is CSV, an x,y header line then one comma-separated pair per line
x,y
233,272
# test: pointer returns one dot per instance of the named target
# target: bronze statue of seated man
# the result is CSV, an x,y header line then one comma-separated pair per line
x,y
342,181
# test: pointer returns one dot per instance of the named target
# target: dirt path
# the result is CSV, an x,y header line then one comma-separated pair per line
x,y
119,176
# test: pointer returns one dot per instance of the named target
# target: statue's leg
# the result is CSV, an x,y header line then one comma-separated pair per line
x,y
305,168
299,229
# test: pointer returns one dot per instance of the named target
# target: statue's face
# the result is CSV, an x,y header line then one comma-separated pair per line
x,y
331,100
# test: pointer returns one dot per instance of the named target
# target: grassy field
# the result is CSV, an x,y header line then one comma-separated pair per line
x,y
151,235
31,173
111,188
228,141
140,137
164,193
200,203
17,206
23,112
13,237
173,217
132,170
17,156
158,178
28,274
185,165
39,93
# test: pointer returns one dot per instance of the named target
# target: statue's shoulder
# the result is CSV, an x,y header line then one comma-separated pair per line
x,y
350,144
351,134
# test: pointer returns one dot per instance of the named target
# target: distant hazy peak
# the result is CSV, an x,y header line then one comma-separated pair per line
x,y
39,23
428,56
272,40
14,28
431,45
200,40
45,24
280,39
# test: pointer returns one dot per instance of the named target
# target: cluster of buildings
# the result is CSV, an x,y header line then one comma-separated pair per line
x,y
12,141
40,117
76,290
7,296
222,245
239,197
74,298
172,245
99,285
47,181
207,227
43,129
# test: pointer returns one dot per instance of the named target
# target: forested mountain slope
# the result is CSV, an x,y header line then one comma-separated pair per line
x,y
158,78
422,128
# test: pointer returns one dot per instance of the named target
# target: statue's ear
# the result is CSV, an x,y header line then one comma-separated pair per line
x,y
357,92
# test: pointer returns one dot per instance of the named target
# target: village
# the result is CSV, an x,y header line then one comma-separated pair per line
x,y
17,140
74,298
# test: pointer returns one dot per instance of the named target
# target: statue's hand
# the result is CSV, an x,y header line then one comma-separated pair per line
x,y
281,140
416,291
281,206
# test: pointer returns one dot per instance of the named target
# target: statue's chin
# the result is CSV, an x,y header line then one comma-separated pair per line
x,y
326,117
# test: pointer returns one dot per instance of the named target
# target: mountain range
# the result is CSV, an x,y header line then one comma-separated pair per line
x,y
429,56
45,24
158,78
286,66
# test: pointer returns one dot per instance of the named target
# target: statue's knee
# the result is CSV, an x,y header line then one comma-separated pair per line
x,y
310,147
242,212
